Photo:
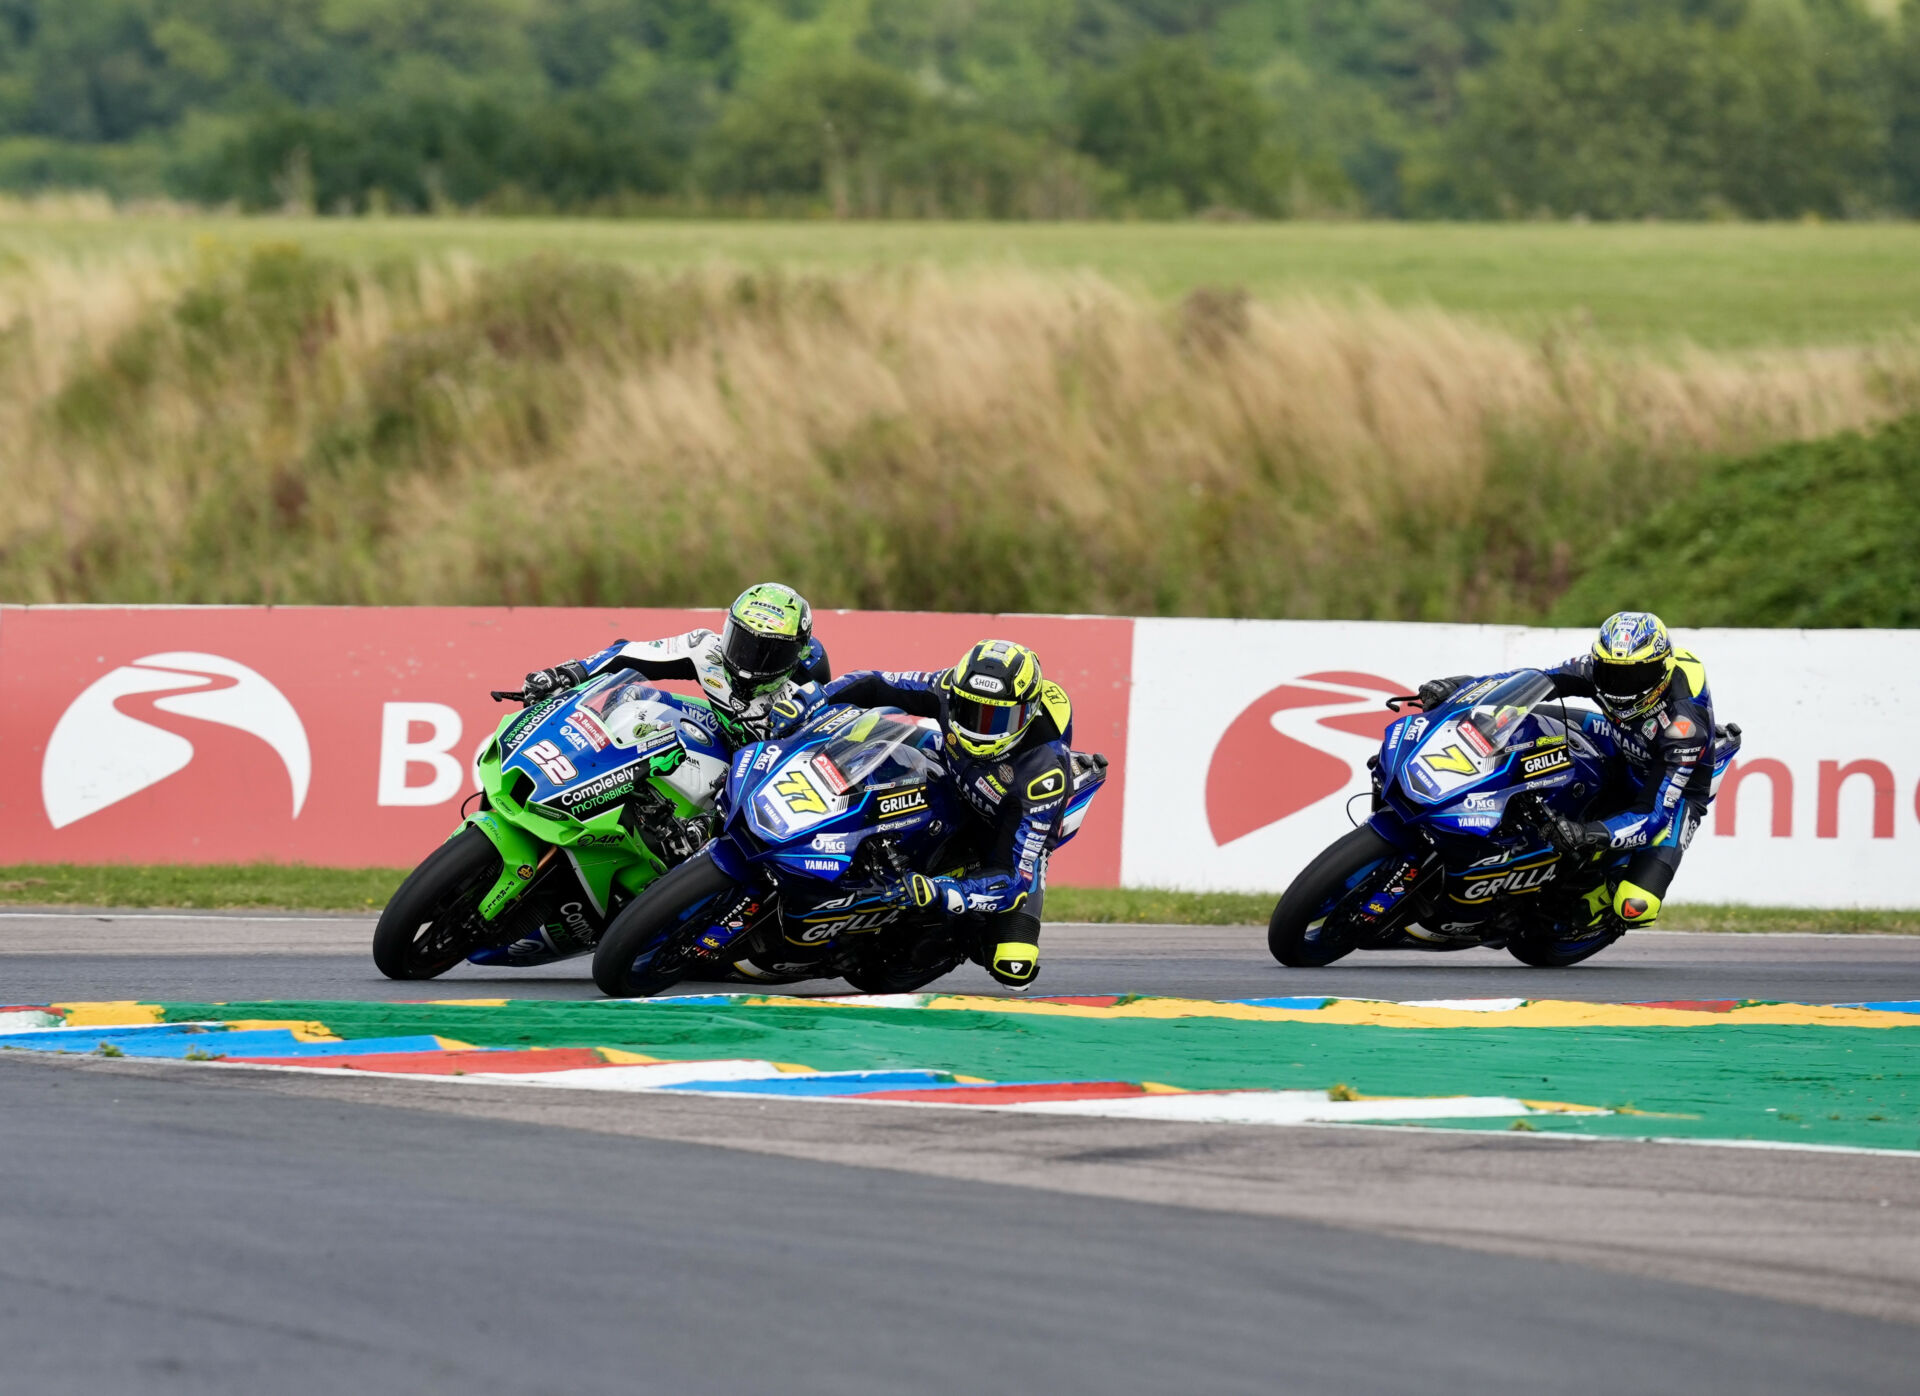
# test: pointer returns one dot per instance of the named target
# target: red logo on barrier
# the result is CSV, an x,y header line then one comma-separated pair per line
x,y
1259,774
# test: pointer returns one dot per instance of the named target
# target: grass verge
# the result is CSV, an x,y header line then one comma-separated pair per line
x,y
292,887
1726,285
264,886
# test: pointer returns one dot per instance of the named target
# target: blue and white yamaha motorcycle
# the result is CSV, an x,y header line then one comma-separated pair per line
x,y
1453,856
816,827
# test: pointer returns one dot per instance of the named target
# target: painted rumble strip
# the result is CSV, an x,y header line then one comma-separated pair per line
x,y
1699,1071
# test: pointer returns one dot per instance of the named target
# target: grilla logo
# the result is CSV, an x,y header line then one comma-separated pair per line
x,y
1269,763
99,755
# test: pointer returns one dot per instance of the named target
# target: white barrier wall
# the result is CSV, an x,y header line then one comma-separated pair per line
x,y
1247,739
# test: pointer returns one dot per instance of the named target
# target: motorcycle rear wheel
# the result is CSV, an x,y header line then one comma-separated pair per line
x,y
1553,955
642,937
427,927
895,971
1317,892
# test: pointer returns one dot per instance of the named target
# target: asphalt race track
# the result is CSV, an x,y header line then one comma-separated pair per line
x,y
125,955
167,1227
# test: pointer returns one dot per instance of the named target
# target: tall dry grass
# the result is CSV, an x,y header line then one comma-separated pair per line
x,y
267,426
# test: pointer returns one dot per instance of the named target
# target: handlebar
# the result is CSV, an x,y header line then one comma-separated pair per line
x,y
514,695
1400,700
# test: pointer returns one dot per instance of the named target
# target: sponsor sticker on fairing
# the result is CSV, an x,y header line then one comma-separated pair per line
x,y
588,726
1543,763
903,802
603,790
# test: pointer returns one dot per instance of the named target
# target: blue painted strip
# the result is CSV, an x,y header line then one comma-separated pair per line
x,y
1887,1005
355,1047
1311,1004
825,1083
86,1039
176,1040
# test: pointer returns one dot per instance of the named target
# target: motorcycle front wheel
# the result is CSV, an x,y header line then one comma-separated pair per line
x,y
638,957
429,925
1297,933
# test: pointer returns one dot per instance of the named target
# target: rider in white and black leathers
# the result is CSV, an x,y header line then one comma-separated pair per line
x,y
766,649
1660,713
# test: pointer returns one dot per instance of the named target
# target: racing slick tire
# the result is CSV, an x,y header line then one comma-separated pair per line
x,y
893,968
1319,888
428,926
637,957
1551,954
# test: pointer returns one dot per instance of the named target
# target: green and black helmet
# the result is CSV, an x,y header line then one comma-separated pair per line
x,y
768,629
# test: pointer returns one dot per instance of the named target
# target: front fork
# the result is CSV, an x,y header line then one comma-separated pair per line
x,y
1395,894
520,855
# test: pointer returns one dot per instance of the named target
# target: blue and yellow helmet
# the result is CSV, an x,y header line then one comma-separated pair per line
x,y
990,698
1632,664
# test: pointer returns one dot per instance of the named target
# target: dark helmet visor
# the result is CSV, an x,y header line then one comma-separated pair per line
x,y
986,722
757,661
1624,685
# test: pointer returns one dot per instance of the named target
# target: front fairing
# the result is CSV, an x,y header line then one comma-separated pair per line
x,y
1441,772
804,804
561,772
577,754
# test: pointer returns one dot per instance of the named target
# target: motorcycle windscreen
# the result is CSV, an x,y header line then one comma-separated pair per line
x,y
818,784
1470,746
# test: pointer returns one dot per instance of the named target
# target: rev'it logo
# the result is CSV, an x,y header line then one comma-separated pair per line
x,y
1270,763
99,755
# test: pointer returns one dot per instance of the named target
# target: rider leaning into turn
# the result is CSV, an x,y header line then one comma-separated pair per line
x,y
1656,698
766,648
1005,731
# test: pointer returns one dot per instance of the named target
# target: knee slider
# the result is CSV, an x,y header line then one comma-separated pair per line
x,y
1634,904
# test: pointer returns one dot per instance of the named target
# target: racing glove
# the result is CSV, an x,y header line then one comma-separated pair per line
x,y
1434,692
541,682
791,711
922,893
1572,836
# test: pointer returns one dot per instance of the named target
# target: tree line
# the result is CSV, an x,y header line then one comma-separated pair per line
x,y
975,108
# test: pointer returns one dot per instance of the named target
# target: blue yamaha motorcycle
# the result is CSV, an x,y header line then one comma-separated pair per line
x,y
816,826
1454,856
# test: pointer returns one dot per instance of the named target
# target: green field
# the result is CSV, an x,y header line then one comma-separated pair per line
x,y
283,887
1723,285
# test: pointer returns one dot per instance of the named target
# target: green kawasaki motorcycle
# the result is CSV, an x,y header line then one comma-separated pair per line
x,y
585,798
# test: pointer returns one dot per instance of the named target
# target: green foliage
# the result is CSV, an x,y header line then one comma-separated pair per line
x,y
1819,533
286,426
1182,133
1621,108
1001,108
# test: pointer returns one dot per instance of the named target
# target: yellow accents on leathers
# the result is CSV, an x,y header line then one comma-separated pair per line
x,y
1689,664
1054,699
1635,904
